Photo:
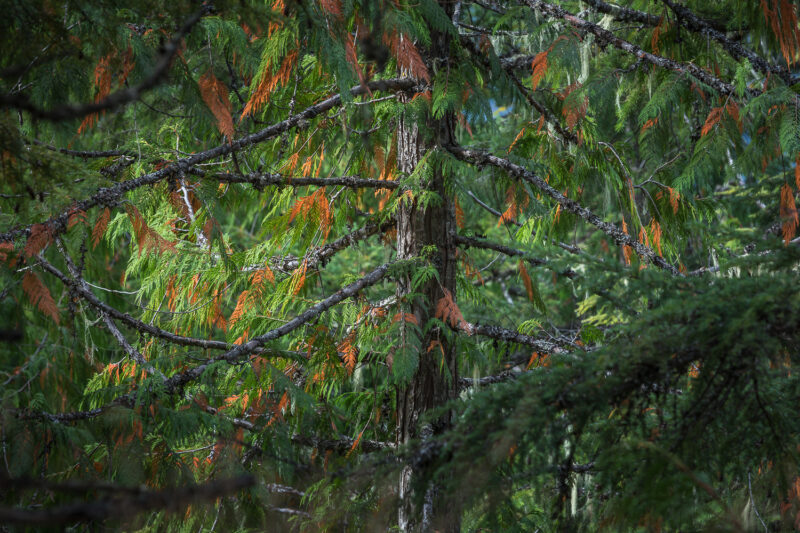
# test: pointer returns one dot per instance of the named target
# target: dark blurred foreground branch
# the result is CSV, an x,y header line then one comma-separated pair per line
x,y
122,502
131,94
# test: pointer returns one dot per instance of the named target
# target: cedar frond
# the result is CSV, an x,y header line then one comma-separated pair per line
x,y
526,279
215,95
269,82
788,213
459,214
349,352
241,304
100,227
782,18
627,251
539,67
711,120
448,312
333,7
39,295
39,238
405,317
408,58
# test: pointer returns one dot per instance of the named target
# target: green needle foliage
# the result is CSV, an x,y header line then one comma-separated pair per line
x,y
355,265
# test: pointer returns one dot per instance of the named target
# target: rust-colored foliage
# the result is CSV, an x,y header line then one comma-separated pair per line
x,y
661,28
316,202
146,236
789,217
269,82
448,312
782,18
215,95
408,58
712,120
39,238
100,227
526,279
627,251
349,352
39,295
514,208
539,64
102,84
459,214
333,7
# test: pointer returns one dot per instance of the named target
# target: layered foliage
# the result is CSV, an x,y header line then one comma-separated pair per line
x,y
199,216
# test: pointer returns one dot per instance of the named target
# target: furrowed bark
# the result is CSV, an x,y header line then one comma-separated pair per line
x,y
436,379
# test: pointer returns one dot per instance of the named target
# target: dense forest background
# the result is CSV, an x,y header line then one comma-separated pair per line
x,y
346,265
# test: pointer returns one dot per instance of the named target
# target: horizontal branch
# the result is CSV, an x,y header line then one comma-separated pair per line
x,y
322,254
689,20
177,381
128,502
263,180
108,196
507,250
605,36
502,377
85,154
508,68
131,94
624,14
620,237
138,325
345,444
509,335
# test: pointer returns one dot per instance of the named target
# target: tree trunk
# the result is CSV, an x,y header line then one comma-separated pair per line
x,y
435,381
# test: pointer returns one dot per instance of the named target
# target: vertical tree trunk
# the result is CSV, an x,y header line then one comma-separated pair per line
x,y
435,381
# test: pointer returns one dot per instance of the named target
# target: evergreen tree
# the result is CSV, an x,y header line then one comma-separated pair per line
x,y
388,265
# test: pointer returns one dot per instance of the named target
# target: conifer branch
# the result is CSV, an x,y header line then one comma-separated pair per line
x,y
343,445
620,237
84,292
178,381
624,14
119,98
605,36
502,377
509,335
109,196
568,247
83,154
259,181
689,20
507,250
508,68
324,253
